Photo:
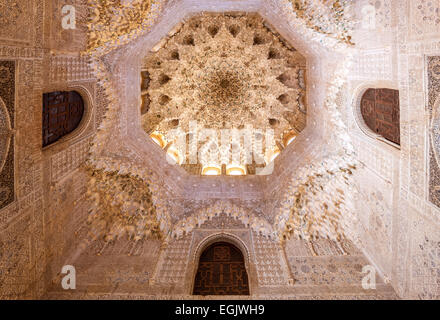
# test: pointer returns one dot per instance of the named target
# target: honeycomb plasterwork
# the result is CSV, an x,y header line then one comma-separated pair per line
x,y
113,22
310,180
112,114
224,72
124,207
102,71
409,65
330,215
110,123
330,18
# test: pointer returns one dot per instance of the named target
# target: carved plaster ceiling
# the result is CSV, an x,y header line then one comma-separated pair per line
x,y
224,71
176,71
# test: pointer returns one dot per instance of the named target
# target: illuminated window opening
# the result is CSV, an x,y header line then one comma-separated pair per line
x,y
289,138
159,139
234,170
175,155
211,171
272,154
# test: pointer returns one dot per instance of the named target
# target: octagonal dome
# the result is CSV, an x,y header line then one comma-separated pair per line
x,y
223,94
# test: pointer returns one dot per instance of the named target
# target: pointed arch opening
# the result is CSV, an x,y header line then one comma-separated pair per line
x,y
380,110
221,271
63,112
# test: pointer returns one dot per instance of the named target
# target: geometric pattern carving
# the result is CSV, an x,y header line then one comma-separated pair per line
x,y
70,68
223,71
69,159
328,271
7,95
268,262
425,261
381,112
172,269
373,64
62,113
221,271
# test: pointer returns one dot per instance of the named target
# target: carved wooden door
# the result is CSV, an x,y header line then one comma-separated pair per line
x,y
380,109
221,271
62,113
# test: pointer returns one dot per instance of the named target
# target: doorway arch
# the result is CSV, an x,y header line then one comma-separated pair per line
x,y
221,271
380,110
64,112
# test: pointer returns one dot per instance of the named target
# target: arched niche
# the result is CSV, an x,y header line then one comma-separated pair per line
x,y
80,111
224,237
380,109
377,112
221,271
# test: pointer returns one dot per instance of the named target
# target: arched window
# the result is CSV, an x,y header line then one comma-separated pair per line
x,y
380,110
62,113
221,271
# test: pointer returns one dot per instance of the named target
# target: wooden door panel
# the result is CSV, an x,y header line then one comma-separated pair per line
x,y
62,113
221,271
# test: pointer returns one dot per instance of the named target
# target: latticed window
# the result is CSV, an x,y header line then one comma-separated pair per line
x,y
62,113
221,271
381,112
